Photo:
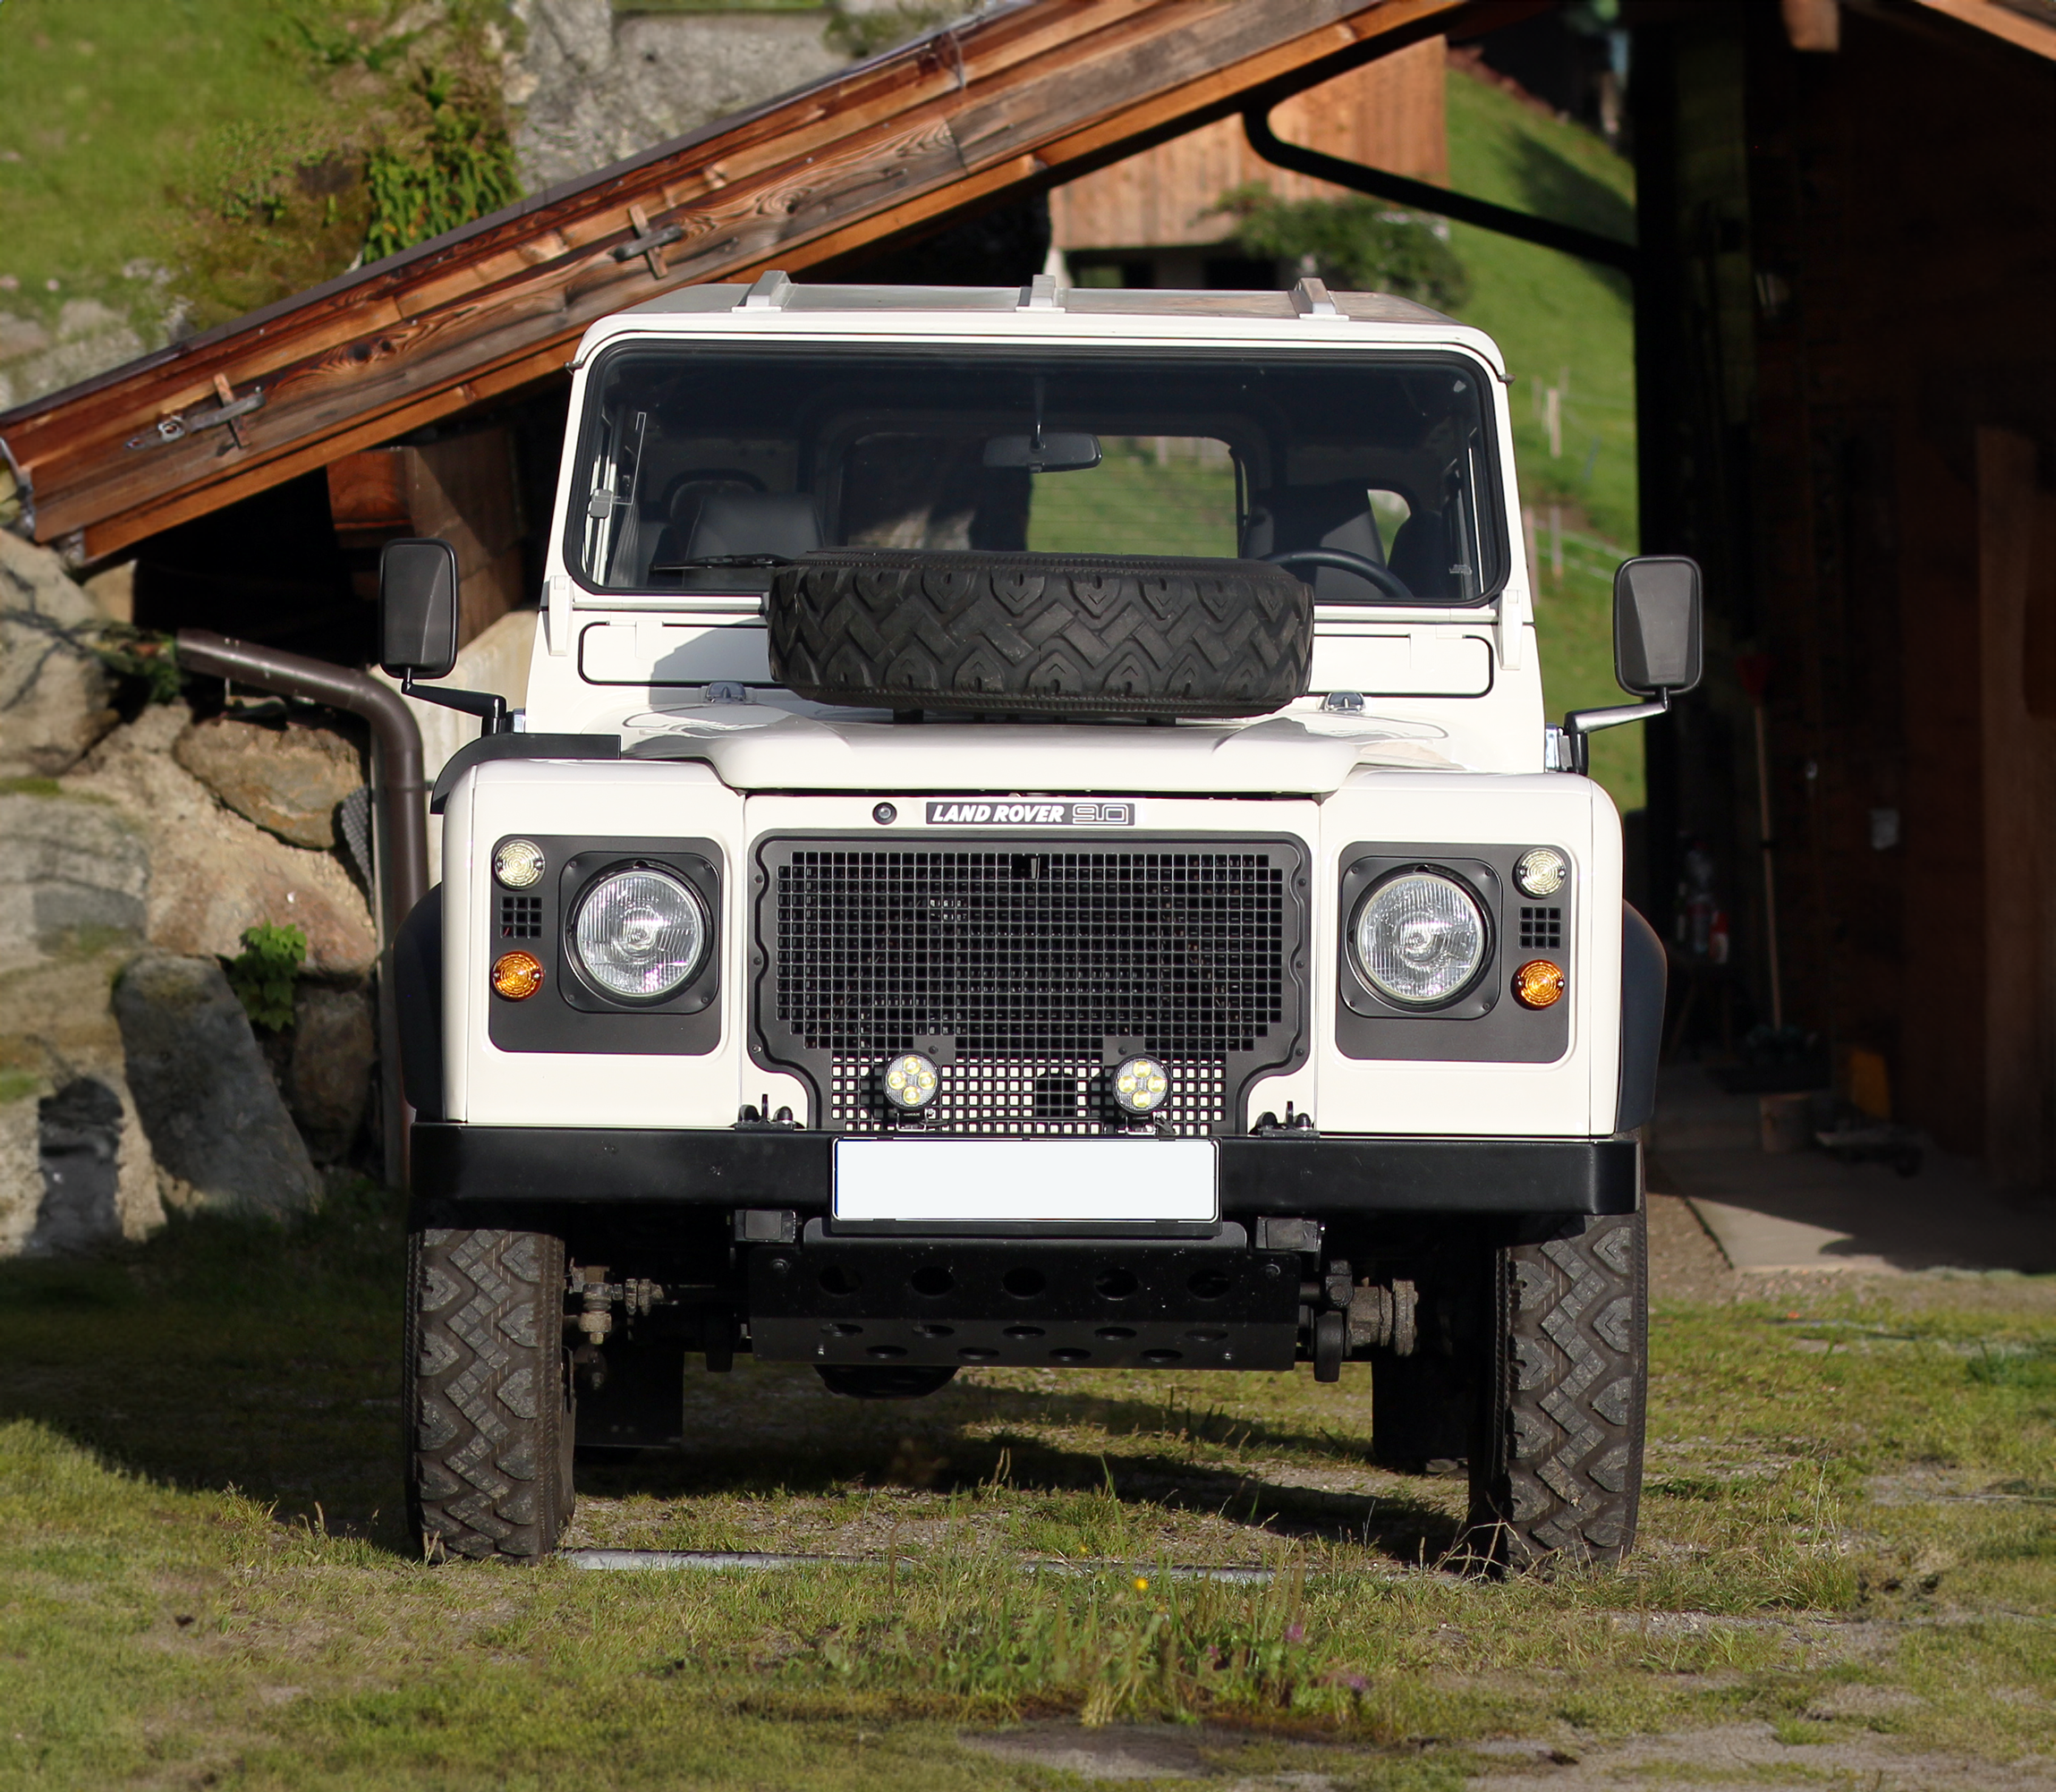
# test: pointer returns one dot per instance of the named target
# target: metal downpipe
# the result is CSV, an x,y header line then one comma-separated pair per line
x,y
399,809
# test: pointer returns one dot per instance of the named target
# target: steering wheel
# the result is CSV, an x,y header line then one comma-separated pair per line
x,y
1383,577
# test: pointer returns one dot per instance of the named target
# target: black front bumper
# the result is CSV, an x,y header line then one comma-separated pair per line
x,y
455,1164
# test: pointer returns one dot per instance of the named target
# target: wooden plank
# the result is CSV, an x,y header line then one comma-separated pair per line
x,y
1001,103
2016,577
1386,114
368,497
2020,29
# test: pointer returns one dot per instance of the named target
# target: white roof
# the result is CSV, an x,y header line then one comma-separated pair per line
x,y
1308,317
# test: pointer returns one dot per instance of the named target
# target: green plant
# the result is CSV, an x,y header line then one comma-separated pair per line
x,y
131,652
263,974
459,169
1353,242
859,34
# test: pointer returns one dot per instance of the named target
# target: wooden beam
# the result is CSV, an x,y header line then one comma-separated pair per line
x,y
1016,99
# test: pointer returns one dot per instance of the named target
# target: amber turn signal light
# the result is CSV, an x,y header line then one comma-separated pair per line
x,y
1538,984
517,975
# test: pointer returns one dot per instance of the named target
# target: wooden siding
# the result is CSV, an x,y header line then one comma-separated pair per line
x,y
1387,115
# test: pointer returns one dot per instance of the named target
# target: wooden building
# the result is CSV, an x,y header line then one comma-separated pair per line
x,y
1154,219
1846,347
1847,393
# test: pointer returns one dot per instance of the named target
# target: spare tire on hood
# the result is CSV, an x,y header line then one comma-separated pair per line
x,y
1046,634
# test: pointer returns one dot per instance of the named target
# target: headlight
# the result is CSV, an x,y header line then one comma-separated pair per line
x,y
640,933
1420,938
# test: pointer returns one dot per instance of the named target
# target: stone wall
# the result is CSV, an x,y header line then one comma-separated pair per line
x,y
597,82
139,851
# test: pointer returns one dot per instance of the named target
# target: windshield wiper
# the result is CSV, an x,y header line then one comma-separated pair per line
x,y
700,560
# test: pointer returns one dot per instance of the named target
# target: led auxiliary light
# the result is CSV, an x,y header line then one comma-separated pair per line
x,y
912,1081
1539,984
1140,1085
517,975
1542,872
518,864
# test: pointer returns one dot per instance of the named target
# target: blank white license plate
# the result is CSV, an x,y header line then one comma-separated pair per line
x,y
977,1180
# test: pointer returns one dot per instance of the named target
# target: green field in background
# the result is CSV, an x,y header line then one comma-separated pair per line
x,y
1563,322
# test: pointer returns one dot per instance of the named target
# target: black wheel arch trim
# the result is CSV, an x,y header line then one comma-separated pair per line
x,y
1644,973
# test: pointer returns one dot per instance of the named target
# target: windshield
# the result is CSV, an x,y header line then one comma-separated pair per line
x,y
1371,478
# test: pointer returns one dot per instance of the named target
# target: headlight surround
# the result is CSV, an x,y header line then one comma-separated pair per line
x,y
638,933
1420,938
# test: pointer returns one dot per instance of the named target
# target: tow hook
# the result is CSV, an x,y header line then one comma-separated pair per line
x,y
1358,1317
599,1297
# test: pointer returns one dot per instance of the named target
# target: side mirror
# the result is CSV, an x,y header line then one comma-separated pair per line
x,y
417,608
1656,625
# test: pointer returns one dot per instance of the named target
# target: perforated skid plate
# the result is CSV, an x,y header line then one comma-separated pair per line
x,y
1103,1307
1030,958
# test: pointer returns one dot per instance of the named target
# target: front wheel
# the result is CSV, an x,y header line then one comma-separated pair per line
x,y
1559,1477
487,1394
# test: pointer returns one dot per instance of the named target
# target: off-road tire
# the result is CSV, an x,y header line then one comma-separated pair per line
x,y
1558,1476
486,1394
1041,633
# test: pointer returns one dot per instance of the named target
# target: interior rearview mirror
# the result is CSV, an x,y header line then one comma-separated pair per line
x,y
1045,452
417,608
1656,625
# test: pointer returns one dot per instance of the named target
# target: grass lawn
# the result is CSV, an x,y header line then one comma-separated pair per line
x,y
1569,324
1849,1563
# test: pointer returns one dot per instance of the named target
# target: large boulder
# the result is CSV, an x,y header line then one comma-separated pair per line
x,y
75,1164
54,689
212,1114
75,876
286,777
334,1049
212,873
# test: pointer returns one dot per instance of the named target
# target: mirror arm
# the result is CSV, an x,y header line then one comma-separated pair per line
x,y
489,707
1579,723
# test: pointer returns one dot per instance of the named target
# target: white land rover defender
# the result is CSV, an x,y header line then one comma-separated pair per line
x,y
1032,840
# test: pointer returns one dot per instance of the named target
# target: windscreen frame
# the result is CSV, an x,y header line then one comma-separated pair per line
x,y
1490,547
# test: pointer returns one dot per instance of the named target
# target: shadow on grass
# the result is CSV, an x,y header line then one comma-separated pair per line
x,y
229,1353
936,1457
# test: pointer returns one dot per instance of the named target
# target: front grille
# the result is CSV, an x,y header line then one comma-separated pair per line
x,y
520,917
1540,927
1030,961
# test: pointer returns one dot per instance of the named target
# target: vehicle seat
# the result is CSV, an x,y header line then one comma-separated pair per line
x,y
755,523
1334,516
1421,554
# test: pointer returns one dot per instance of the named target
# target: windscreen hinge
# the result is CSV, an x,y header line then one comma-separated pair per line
x,y
1514,614
772,292
557,612
1310,299
1039,294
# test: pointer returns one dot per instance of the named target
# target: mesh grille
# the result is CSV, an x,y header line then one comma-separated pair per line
x,y
1031,961
1541,927
520,917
